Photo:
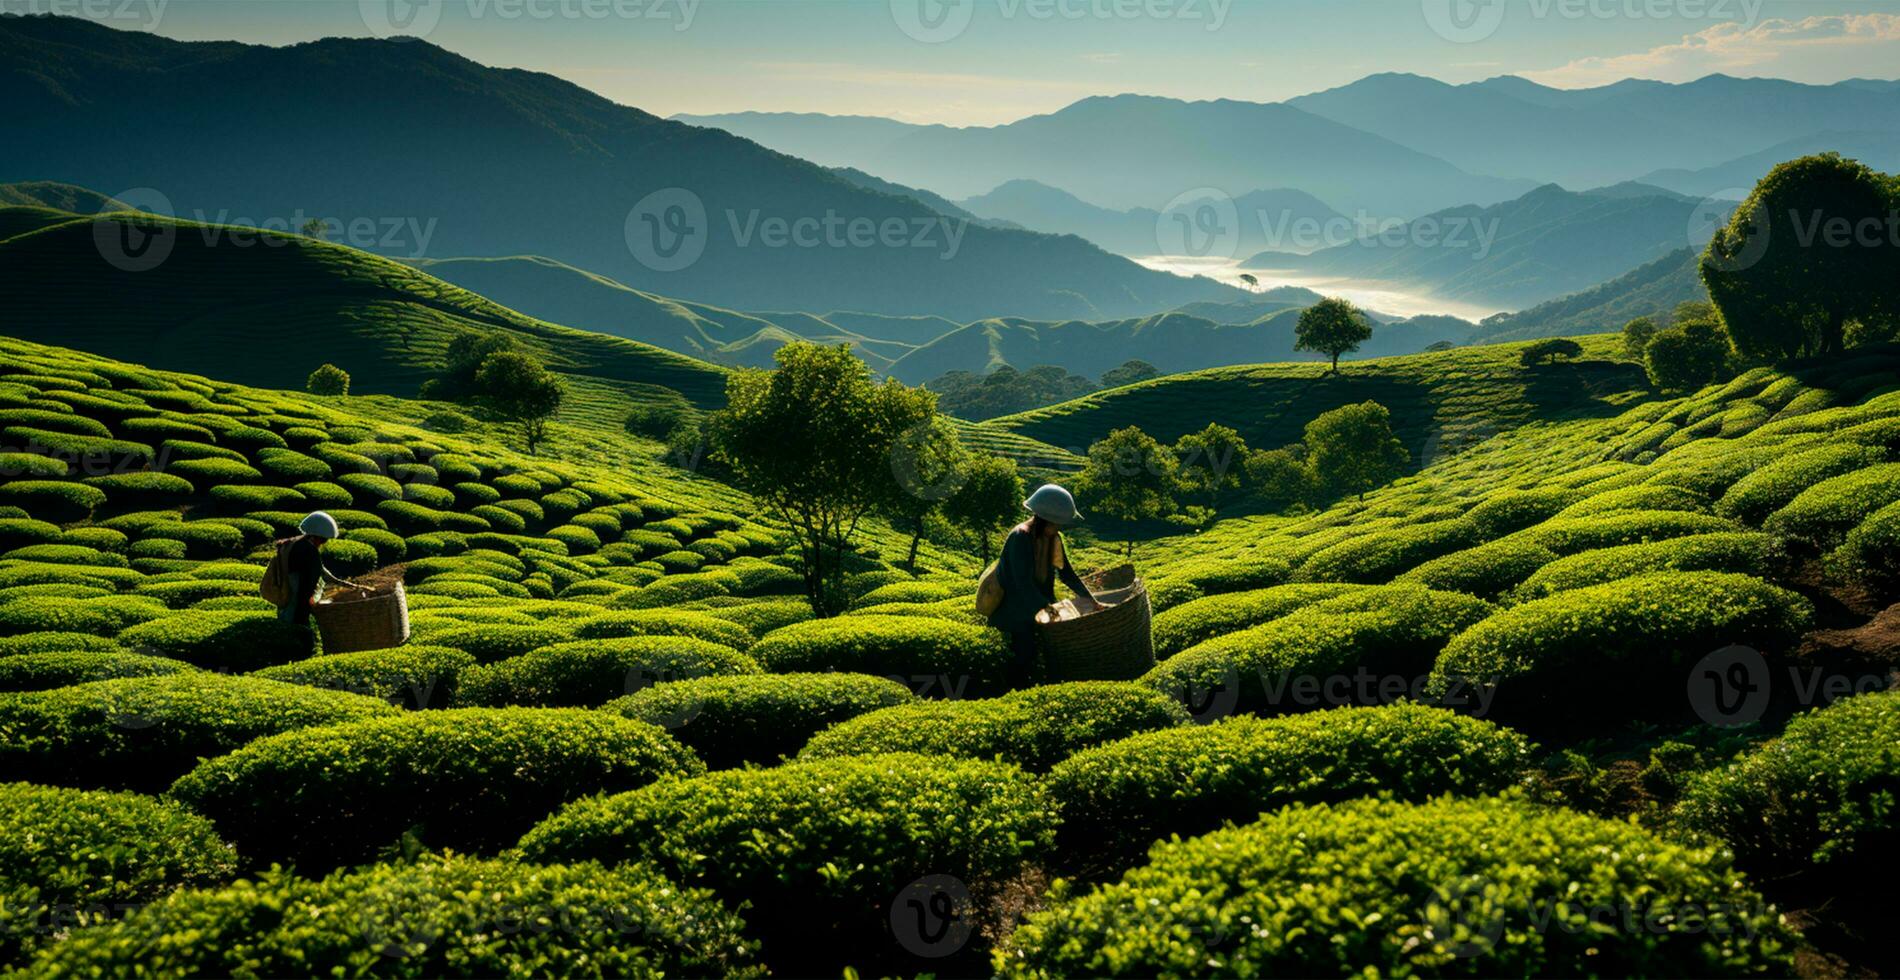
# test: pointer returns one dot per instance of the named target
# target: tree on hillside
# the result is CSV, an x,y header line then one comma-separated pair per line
x,y
1279,477
328,380
927,463
517,387
1351,449
1440,346
1687,356
1332,327
1810,250
1250,280
316,228
462,359
1546,351
1129,477
812,441
657,421
1211,461
1129,373
1636,336
990,496
1006,390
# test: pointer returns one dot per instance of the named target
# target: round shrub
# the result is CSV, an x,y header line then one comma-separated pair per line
x,y
1399,889
291,466
145,489
244,498
1033,728
190,449
72,857
390,547
1824,513
1512,510
1289,663
1486,571
15,466
53,500
1821,794
1571,535
911,592
501,518
664,622
1644,496
55,421
1620,647
211,472
735,719
411,676
414,517
1380,555
1871,554
16,532
435,917
102,615
221,641
143,732
53,642
64,554
1734,551
760,618
585,673
203,539
189,592
818,848
1770,487
45,671
1117,799
428,495
321,493
160,429
370,486
471,780
102,538
973,659
1193,622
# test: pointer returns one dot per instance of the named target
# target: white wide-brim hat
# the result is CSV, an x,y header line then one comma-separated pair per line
x,y
1053,504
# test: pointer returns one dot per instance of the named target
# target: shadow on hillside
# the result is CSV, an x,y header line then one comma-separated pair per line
x,y
1577,389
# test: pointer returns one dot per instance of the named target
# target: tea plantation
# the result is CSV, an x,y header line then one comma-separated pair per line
x,y
1455,727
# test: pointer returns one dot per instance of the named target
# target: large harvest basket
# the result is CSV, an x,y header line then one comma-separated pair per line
x,y
363,619
1115,643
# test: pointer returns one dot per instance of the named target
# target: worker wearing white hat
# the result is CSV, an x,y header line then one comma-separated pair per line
x,y
1033,557
303,563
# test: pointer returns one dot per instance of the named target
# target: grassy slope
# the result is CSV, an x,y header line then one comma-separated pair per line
x,y
265,309
1650,290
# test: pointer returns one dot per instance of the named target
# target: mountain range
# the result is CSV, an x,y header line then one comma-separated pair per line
x,y
1261,219
417,152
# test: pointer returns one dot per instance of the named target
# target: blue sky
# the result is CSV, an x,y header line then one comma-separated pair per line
x,y
981,62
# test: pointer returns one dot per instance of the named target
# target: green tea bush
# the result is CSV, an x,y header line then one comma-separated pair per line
x,y
1734,551
912,592
1643,496
291,466
322,493
1383,887
45,671
585,673
16,532
1871,553
1117,799
1215,576
144,489
974,659
665,622
501,518
212,471
144,732
1822,794
221,641
1033,728
73,857
816,848
1773,485
160,429
759,618
67,421
64,554
370,487
428,495
1379,556
190,592
156,548
53,500
1289,663
120,454
1571,535
102,538
1486,571
203,539
29,466
412,676
252,438
435,917
235,497
1824,513
1620,647
472,780
188,449
54,642
102,616
1194,622
757,718
408,516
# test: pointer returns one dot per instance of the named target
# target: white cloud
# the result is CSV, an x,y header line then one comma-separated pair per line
x,y
1825,48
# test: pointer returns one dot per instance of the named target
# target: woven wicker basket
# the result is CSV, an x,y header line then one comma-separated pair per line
x,y
1113,644
363,619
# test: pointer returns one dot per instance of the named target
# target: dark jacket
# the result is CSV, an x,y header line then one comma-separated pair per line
x,y
1023,595
304,566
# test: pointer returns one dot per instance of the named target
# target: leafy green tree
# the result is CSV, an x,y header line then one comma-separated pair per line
x,y
1439,346
517,387
1006,390
1351,449
1636,336
1811,249
1130,477
989,497
316,228
1279,477
927,463
657,421
1211,461
1687,356
1545,351
812,441
1129,373
462,360
328,380
1332,327
1252,281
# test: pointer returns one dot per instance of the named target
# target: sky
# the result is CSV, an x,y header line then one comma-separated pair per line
x,y
985,62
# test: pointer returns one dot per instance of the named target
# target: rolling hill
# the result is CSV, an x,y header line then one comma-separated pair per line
x,y
480,161
1593,136
1267,218
1130,151
1650,290
1733,178
1545,244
